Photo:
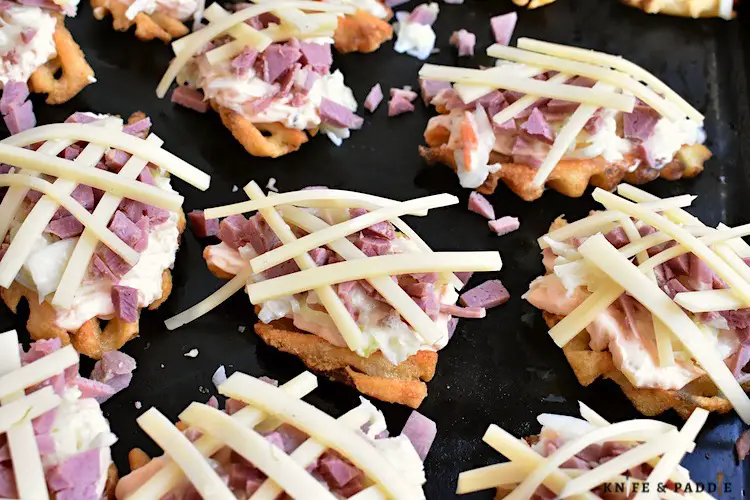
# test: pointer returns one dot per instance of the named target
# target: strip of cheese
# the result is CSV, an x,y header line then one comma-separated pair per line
x,y
254,448
680,235
290,15
209,303
388,289
673,456
709,300
324,429
37,371
181,450
582,316
328,297
30,480
335,198
319,238
518,452
591,416
525,102
469,92
615,78
198,39
611,61
171,476
384,265
538,88
27,408
308,452
244,36
9,267
739,245
491,476
568,450
115,140
638,195
604,256
708,237
567,137
84,250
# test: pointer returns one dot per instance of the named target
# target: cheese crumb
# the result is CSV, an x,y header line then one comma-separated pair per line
x,y
235,188
272,185
241,329
192,353
138,405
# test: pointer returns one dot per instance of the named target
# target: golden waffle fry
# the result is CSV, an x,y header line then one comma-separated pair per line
x,y
681,8
532,4
147,26
362,32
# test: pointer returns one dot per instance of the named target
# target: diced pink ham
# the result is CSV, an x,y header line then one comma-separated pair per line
x,y
594,124
404,93
320,256
156,215
737,361
673,287
232,406
125,229
64,227
114,369
115,159
71,152
125,300
374,98
337,469
742,446
421,431
525,153
14,94
617,237
679,265
463,312
278,58
133,209
503,27
310,79
231,230
339,116
537,127
452,324
489,294
139,128
639,124
701,276
399,105
288,78
80,117
317,56
481,205
20,117
464,276
202,227
7,483
243,62
464,41
430,88
190,98
213,402
423,14
78,470
372,246
112,263
504,225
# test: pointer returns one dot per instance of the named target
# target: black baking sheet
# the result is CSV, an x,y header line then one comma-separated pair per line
x,y
503,369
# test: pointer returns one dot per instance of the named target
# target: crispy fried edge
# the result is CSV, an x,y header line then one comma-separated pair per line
x,y
147,26
532,4
76,72
362,32
569,177
680,8
111,484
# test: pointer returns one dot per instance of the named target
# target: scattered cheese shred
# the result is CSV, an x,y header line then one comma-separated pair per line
x,y
709,300
27,408
524,102
583,315
469,92
37,371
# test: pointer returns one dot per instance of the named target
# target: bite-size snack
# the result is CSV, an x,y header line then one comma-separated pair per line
x,y
55,438
37,46
268,442
272,87
356,295
591,458
687,8
153,19
588,118
365,30
89,227
671,328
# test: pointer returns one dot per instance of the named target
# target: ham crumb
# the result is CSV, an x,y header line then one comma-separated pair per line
x,y
504,225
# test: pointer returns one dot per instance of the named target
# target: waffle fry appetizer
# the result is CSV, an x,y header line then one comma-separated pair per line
x,y
559,116
591,458
36,46
153,19
671,328
365,30
267,442
90,226
687,8
270,86
368,305
55,438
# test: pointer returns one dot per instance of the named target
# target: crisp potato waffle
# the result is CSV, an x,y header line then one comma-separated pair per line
x,y
532,4
147,26
362,32
681,8
75,72
569,177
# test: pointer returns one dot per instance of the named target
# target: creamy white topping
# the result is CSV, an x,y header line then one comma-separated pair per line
x,y
605,142
669,137
473,173
18,59
179,9
414,39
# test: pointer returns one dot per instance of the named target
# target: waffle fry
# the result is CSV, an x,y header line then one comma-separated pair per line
x,y
681,8
76,72
147,26
362,32
532,4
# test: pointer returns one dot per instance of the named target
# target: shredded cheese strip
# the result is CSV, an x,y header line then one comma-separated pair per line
x,y
530,86
27,408
583,315
602,75
115,140
84,250
291,16
171,476
592,417
209,303
254,448
567,137
324,429
37,371
469,92
709,300
611,61
525,102
328,297
388,289
319,238
9,266
244,36
605,257
491,476
384,265
195,41
30,480
739,245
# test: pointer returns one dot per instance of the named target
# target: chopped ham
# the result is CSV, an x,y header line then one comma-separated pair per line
x,y
14,94
338,470
20,118
481,205
190,98
320,256
231,230
464,41
701,276
743,446
339,116
202,227
673,287
503,27
430,88
463,312
113,263
65,227
244,61
139,128
125,300
617,237
464,276
372,246
489,294
114,369
75,472
374,98
317,56
424,14
639,124
399,104
405,93
536,126
277,59
125,229
504,225
421,431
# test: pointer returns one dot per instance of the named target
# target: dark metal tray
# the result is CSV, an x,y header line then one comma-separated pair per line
x,y
503,369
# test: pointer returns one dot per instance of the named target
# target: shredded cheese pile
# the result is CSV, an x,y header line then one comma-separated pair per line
x,y
280,211
32,166
657,444
619,83
610,272
286,473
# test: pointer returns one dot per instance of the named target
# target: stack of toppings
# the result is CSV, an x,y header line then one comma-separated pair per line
x,y
558,114
349,271
90,229
301,451
267,68
649,296
590,458
56,441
